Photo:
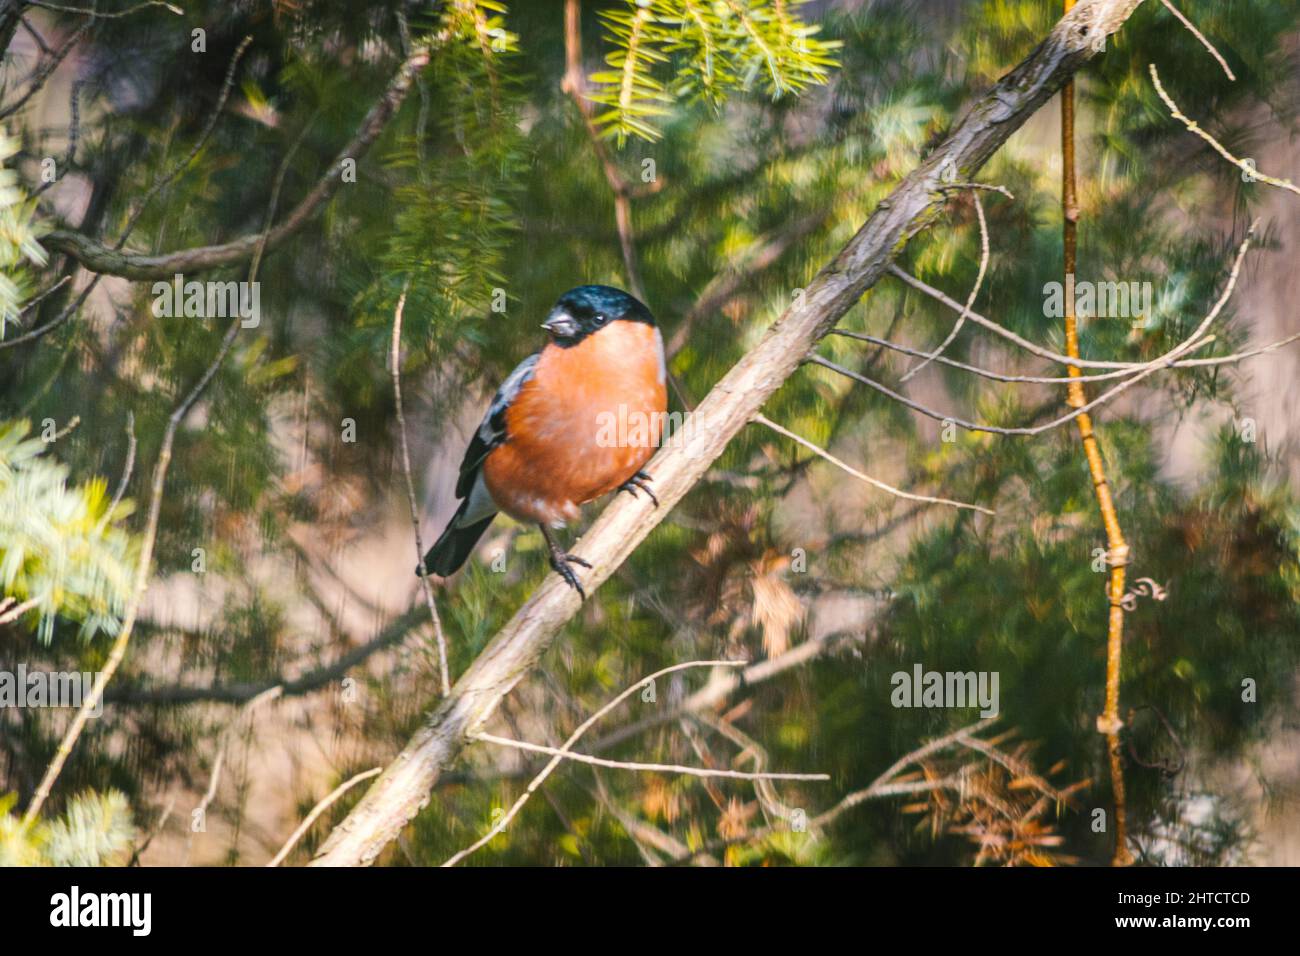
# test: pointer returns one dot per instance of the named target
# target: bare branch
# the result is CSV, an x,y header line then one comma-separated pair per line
x,y
885,785
1197,340
396,359
563,751
12,611
1193,127
96,15
127,469
874,482
1128,369
96,257
970,299
722,684
991,187
1066,360
1005,333
214,779
633,765
320,808
1200,36
995,429
43,294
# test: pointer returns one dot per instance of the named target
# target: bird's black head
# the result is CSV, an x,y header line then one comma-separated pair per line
x,y
589,308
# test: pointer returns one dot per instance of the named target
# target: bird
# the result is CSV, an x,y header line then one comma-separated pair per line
x,y
546,446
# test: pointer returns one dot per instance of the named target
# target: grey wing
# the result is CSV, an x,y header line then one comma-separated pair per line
x,y
491,432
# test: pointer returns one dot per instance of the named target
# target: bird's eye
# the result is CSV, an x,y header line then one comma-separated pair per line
x,y
601,318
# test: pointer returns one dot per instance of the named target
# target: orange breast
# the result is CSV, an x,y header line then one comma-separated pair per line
x,y
589,418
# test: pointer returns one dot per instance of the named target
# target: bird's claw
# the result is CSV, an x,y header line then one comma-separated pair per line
x,y
560,562
640,480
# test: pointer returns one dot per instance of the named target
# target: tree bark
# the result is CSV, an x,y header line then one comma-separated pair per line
x,y
404,788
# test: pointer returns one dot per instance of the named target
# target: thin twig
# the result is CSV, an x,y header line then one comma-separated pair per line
x,y
176,694
994,429
214,779
649,840
14,613
41,296
127,468
633,765
885,785
320,808
40,40
990,187
1005,333
1169,359
1128,368
874,482
970,299
573,738
1200,36
396,360
153,831
67,429
722,684
43,71
1193,127
74,134
95,14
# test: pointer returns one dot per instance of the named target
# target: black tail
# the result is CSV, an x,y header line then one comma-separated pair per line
x,y
455,544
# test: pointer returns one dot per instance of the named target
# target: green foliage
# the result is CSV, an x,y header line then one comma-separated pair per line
x,y
457,202
61,547
18,238
95,830
723,47
18,845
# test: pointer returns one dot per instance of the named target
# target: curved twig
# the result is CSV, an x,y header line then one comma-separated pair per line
x,y
970,299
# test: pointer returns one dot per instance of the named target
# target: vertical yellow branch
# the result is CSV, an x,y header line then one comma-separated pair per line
x,y
1108,722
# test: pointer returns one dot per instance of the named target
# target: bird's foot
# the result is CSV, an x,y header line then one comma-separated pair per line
x,y
560,562
639,480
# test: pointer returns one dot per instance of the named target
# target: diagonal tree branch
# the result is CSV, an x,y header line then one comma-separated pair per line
x,y
404,788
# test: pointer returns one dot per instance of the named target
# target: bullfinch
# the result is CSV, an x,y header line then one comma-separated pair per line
x,y
574,421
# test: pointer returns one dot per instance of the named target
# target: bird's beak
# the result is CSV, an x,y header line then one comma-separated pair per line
x,y
560,324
